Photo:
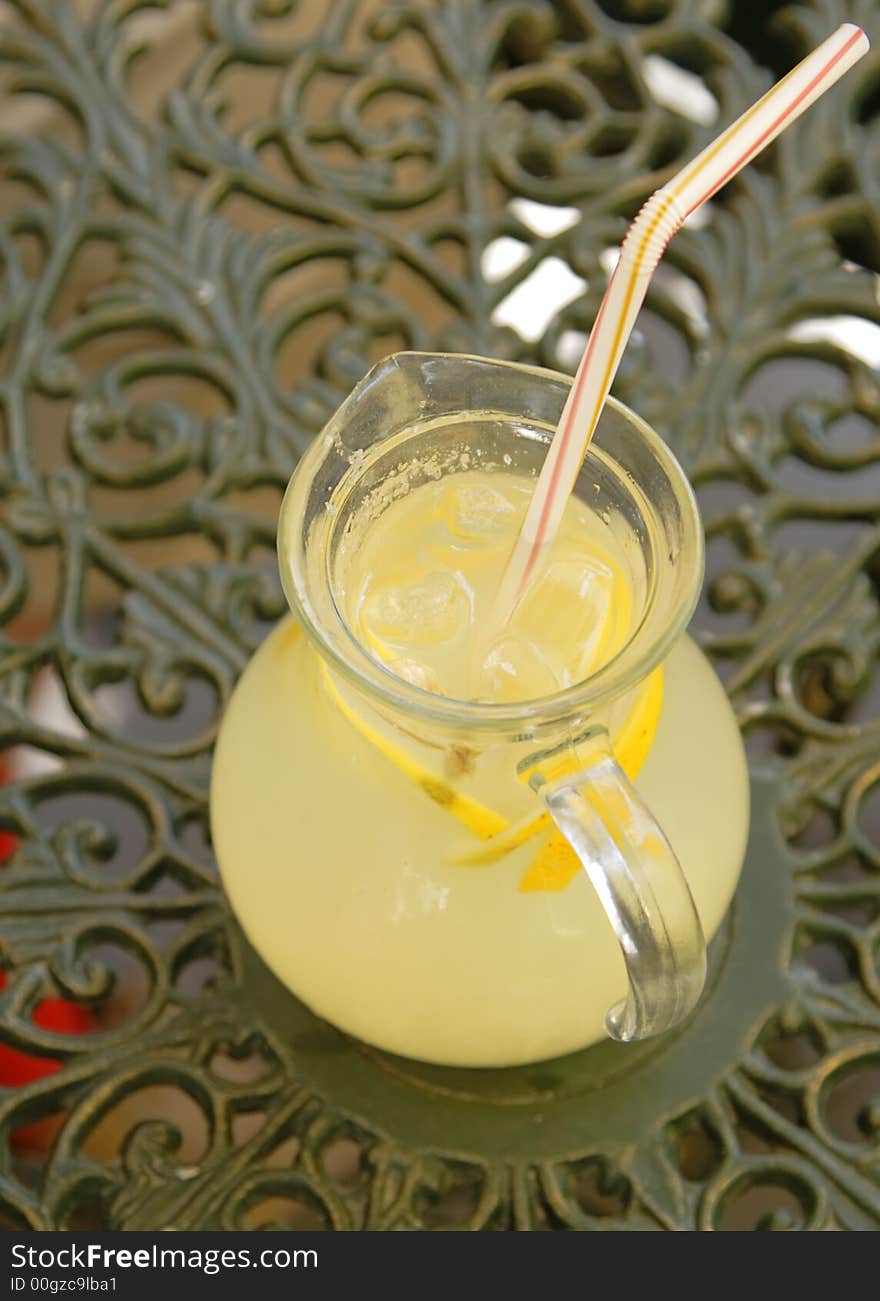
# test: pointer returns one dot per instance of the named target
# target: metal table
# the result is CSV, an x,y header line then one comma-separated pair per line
x,y
204,244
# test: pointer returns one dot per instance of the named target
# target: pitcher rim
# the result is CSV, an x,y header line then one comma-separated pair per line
x,y
630,665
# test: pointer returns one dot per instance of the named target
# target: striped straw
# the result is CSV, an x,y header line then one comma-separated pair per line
x,y
640,252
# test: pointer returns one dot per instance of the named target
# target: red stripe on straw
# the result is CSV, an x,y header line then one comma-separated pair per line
x,y
807,90
566,433
677,188
580,379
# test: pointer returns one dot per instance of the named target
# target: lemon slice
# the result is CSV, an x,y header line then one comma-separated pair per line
x,y
556,864
554,868
480,820
630,746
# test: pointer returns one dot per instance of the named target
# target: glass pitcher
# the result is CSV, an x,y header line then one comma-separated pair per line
x,y
481,884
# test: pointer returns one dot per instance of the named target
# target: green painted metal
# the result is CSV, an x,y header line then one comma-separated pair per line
x,y
202,248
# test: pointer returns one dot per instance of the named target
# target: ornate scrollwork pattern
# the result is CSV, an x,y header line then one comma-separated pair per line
x,y
214,218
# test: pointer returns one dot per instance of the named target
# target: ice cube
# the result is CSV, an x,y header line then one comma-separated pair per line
x,y
430,608
514,669
417,674
568,613
477,514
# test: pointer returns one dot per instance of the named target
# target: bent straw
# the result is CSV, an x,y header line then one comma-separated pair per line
x,y
660,217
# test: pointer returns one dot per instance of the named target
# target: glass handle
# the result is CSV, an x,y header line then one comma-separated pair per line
x,y
641,887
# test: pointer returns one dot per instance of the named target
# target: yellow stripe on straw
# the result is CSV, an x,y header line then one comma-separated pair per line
x,y
646,240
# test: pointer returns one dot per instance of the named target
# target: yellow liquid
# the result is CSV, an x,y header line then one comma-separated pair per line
x,y
345,866
421,587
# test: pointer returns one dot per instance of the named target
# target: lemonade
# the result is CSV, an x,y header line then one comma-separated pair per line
x,y
340,872
374,804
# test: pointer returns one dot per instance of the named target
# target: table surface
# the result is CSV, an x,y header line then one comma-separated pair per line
x,y
213,218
